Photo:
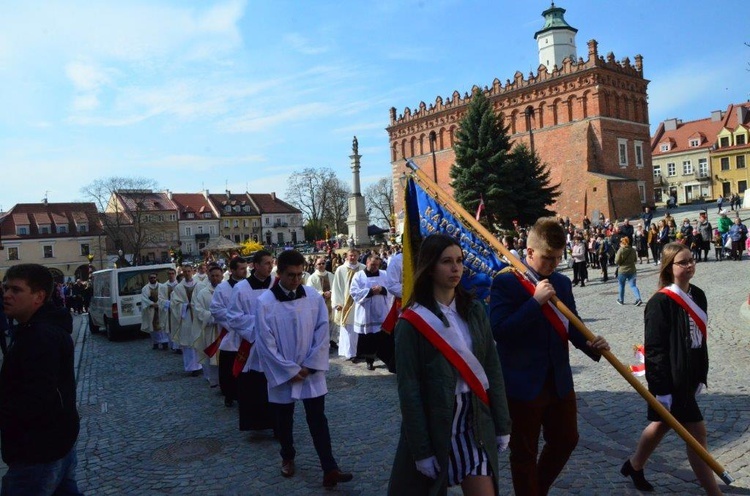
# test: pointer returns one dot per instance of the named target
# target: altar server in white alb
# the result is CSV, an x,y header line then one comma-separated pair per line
x,y
151,322
183,314
207,325
252,390
343,304
322,281
292,341
231,340
165,315
371,305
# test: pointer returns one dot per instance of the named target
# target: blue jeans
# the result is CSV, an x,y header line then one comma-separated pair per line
x,y
631,282
56,478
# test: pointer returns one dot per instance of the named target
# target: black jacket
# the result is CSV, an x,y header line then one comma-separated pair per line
x,y
38,417
671,366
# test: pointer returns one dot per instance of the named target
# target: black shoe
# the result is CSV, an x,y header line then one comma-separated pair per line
x,y
638,303
196,373
155,347
178,352
165,346
370,365
639,480
583,285
334,346
620,302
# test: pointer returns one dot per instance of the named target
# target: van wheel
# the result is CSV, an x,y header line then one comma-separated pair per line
x,y
93,328
109,329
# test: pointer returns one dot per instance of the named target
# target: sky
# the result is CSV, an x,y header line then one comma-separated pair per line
x,y
239,94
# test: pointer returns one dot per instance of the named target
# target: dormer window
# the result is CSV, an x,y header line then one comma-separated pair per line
x,y
82,228
739,139
694,142
664,147
207,215
724,141
236,208
246,208
62,229
228,209
22,230
44,229
190,215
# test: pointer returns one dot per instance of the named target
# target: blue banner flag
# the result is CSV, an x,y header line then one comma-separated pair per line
x,y
425,215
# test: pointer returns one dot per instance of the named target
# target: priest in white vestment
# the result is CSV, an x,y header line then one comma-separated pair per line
x,y
371,305
343,304
183,313
165,315
151,321
252,389
293,343
322,281
204,320
231,341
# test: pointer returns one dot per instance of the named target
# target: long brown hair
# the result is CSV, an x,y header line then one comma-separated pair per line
x,y
668,254
429,254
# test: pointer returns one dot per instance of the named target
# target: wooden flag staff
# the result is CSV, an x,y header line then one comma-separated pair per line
x,y
624,371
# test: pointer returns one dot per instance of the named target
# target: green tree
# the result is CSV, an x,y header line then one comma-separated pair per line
x,y
513,182
482,151
534,193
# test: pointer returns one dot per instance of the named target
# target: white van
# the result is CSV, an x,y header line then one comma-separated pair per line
x,y
116,303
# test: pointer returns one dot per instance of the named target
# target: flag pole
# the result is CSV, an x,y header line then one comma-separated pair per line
x,y
451,204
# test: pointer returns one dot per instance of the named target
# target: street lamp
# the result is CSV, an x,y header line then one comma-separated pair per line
x,y
433,139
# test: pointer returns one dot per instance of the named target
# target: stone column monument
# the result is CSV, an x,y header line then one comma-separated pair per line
x,y
357,220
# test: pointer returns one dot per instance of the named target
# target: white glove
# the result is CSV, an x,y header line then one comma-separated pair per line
x,y
700,388
503,442
428,467
665,399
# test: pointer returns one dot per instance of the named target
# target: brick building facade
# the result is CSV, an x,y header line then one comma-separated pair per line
x,y
586,119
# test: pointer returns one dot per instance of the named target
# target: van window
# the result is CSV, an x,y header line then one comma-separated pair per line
x,y
102,286
131,283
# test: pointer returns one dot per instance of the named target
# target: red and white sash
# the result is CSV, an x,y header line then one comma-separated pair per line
x,y
695,313
452,346
554,316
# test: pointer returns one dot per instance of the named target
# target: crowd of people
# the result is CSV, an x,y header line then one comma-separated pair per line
x,y
472,383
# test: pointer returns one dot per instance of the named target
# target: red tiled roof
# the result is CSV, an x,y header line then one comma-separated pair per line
x,y
679,139
150,201
241,200
269,203
35,214
191,202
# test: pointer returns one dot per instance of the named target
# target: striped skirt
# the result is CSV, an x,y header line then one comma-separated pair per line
x,y
466,458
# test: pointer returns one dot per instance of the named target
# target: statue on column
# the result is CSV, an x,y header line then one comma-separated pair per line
x,y
355,146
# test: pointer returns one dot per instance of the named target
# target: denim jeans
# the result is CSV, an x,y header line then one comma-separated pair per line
x,y
621,278
56,478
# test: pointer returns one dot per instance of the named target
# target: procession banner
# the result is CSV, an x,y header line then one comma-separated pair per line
x,y
425,215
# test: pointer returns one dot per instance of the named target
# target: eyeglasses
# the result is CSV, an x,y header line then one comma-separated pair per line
x,y
686,263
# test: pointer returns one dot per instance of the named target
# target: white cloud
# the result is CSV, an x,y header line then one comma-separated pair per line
x,y
85,103
303,45
85,76
254,121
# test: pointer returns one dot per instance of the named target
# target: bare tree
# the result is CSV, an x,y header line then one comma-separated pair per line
x,y
379,199
337,207
126,225
308,191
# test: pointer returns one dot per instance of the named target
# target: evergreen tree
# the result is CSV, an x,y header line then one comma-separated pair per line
x,y
534,193
513,183
482,151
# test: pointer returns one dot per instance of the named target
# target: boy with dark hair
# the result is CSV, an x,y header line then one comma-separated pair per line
x,y
293,343
39,422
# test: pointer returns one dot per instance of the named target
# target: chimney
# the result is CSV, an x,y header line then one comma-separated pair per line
x,y
741,114
229,194
273,195
717,115
670,124
169,194
205,194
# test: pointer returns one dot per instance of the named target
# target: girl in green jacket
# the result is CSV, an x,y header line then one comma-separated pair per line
x,y
452,428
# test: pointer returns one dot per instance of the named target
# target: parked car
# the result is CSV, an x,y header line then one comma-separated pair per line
x,y
116,303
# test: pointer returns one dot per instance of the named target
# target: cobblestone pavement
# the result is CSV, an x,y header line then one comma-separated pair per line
x,y
149,430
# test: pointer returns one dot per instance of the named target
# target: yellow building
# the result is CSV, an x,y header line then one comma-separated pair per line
x,y
65,237
730,156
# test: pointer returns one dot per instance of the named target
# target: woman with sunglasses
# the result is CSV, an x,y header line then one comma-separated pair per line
x,y
676,363
455,416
